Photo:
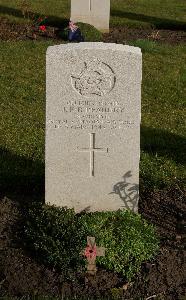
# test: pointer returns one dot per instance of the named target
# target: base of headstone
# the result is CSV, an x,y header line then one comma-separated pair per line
x,y
92,22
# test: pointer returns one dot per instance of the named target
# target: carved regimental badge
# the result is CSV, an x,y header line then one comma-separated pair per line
x,y
97,78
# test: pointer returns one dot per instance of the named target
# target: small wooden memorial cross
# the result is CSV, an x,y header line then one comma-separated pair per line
x,y
91,252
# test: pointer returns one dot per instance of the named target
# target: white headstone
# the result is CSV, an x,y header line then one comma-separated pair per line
x,y
94,12
93,126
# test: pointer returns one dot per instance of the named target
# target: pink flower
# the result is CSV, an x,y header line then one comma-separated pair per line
x,y
90,252
72,26
42,28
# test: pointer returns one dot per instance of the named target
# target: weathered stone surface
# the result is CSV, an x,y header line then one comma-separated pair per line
x,y
94,12
93,126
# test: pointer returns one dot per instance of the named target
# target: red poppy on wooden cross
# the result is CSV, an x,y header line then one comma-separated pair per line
x,y
91,252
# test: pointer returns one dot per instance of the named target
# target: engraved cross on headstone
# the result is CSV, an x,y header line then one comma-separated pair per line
x,y
92,149
90,5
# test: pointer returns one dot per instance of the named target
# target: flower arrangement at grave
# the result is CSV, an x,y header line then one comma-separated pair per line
x,y
39,25
35,23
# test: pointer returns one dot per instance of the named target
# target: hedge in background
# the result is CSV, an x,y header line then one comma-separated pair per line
x,y
90,33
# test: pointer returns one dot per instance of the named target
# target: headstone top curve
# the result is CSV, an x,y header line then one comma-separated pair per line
x,y
94,45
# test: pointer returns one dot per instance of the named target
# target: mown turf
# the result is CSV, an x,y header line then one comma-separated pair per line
x,y
163,141
22,110
140,13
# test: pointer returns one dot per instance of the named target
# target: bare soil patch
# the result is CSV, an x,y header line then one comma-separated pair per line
x,y
123,34
16,32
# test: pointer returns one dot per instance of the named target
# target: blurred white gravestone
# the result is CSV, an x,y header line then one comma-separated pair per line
x,y
93,126
94,12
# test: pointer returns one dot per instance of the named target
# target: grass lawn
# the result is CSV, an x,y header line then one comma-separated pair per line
x,y
139,13
22,110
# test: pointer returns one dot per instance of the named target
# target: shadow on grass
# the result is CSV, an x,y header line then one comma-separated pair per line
x,y
11,11
154,21
164,143
62,23
51,20
21,178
